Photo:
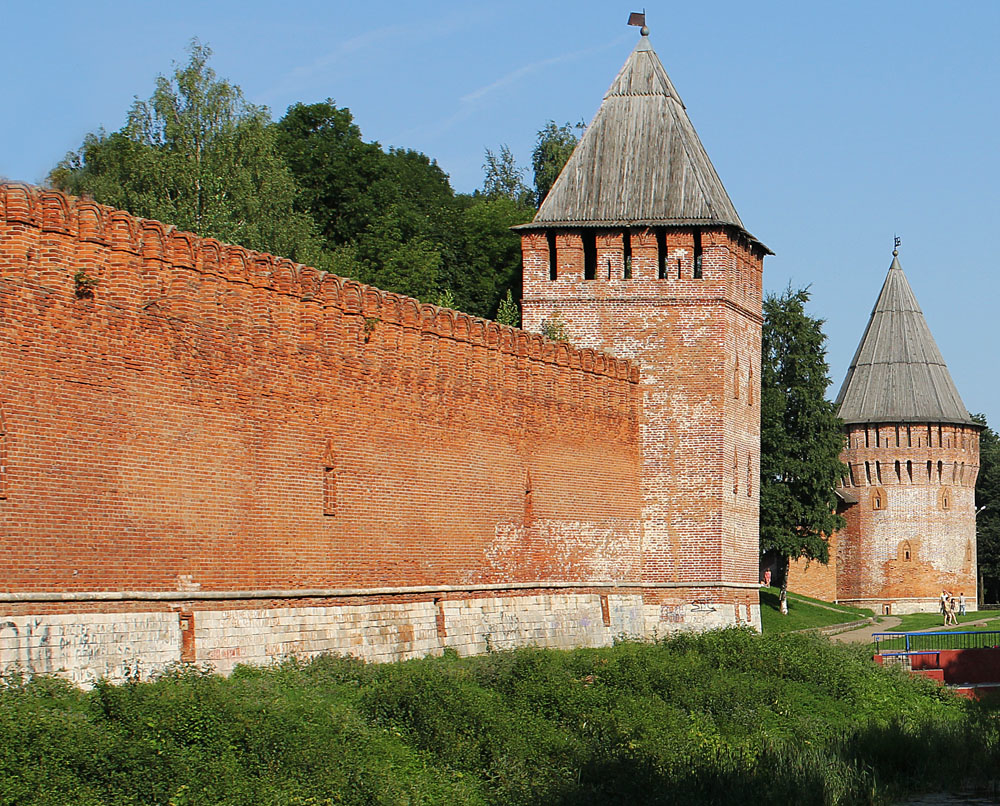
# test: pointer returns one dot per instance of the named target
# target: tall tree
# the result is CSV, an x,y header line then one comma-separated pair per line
x,y
988,517
553,148
504,178
801,436
198,156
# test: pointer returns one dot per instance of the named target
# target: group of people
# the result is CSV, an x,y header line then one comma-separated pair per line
x,y
952,605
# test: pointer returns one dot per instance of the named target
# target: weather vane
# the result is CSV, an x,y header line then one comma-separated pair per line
x,y
895,245
639,18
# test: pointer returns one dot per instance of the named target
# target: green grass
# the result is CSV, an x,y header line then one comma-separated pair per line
x,y
804,613
727,717
912,622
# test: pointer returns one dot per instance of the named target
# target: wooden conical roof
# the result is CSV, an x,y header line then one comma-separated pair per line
x,y
898,374
640,162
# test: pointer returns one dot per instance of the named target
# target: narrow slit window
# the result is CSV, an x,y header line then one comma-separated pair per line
x,y
878,471
553,258
909,470
661,254
329,481
3,454
697,273
626,255
940,471
868,472
899,472
589,256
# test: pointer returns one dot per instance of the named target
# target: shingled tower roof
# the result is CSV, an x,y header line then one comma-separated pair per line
x,y
640,162
898,374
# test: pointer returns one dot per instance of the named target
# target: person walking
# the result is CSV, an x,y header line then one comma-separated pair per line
x,y
952,610
944,607
961,603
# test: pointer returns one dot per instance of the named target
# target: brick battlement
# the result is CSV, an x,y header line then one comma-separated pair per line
x,y
185,264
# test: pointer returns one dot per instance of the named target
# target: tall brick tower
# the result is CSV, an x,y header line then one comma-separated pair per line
x,y
913,453
640,252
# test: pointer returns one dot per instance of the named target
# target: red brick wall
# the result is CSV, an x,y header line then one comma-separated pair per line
x,y
912,533
189,423
813,578
697,343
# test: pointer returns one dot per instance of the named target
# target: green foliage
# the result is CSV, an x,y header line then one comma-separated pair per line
x,y
508,313
390,218
727,717
553,148
988,521
801,436
554,328
198,156
503,179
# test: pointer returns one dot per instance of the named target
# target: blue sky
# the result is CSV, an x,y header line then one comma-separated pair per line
x,y
833,126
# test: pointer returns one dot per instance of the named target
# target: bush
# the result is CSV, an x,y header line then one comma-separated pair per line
x,y
728,716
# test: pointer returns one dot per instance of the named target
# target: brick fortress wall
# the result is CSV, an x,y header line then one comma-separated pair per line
x,y
214,454
696,340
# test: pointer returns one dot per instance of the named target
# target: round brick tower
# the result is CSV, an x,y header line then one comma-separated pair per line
x,y
913,456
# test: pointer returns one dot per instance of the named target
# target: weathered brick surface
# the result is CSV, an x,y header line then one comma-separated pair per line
x,y
913,531
207,421
697,343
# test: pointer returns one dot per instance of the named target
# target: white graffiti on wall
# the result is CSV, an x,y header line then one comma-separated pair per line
x,y
83,648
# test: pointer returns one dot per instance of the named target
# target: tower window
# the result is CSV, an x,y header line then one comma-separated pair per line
x,y
553,261
944,498
589,255
626,255
661,254
878,499
905,551
329,480
909,470
697,255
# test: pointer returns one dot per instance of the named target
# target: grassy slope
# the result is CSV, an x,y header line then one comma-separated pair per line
x,y
728,717
803,613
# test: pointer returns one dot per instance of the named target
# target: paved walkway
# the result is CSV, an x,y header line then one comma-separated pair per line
x,y
863,635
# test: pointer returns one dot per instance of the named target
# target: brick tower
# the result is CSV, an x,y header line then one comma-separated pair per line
x,y
913,454
639,251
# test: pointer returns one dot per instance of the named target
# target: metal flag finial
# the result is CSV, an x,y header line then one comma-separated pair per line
x,y
639,18
895,245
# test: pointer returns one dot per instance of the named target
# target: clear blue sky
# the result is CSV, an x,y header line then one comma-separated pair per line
x,y
833,126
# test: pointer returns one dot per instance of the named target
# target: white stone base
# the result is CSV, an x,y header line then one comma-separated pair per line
x,y
119,646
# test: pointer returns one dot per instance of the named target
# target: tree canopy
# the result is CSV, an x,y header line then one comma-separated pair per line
x,y
988,519
198,156
801,436
553,148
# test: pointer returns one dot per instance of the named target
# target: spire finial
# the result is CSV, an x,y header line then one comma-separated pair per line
x,y
895,245
639,18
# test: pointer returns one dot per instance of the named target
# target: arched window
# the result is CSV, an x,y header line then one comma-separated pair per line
x,y
878,499
905,551
944,498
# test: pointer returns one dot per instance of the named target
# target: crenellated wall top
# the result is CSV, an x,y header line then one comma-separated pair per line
x,y
170,249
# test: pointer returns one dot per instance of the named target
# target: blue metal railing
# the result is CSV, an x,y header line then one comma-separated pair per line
x,y
913,643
